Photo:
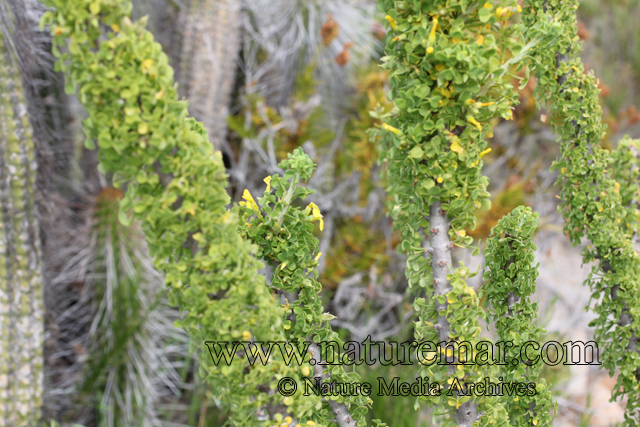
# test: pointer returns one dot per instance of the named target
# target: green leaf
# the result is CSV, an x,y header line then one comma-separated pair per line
x,y
484,14
123,218
94,7
416,152
143,128
69,87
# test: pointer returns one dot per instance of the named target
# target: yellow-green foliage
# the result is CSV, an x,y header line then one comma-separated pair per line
x,y
284,234
592,203
176,187
510,279
448,63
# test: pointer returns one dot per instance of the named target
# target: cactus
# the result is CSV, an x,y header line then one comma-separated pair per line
x,y
21,304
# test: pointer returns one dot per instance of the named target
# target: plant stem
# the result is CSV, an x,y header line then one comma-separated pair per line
x,y
340,410
441,262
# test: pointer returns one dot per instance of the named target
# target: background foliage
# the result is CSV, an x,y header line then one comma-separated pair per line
x,y
303,79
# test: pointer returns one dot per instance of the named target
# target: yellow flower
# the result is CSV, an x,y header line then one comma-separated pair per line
x,y
429,49
487,5
115,27
287,421
392,22
461,233
58,31
250,202
246,195
318,256
432,33
535,422
444,92
146,64
456,148
487,151
480,39
159,94
311,423
439,180
391,129
474,122
305,370
267,180
246,335
315,213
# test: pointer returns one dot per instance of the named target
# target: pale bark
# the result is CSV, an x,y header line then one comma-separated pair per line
x,y
441,264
